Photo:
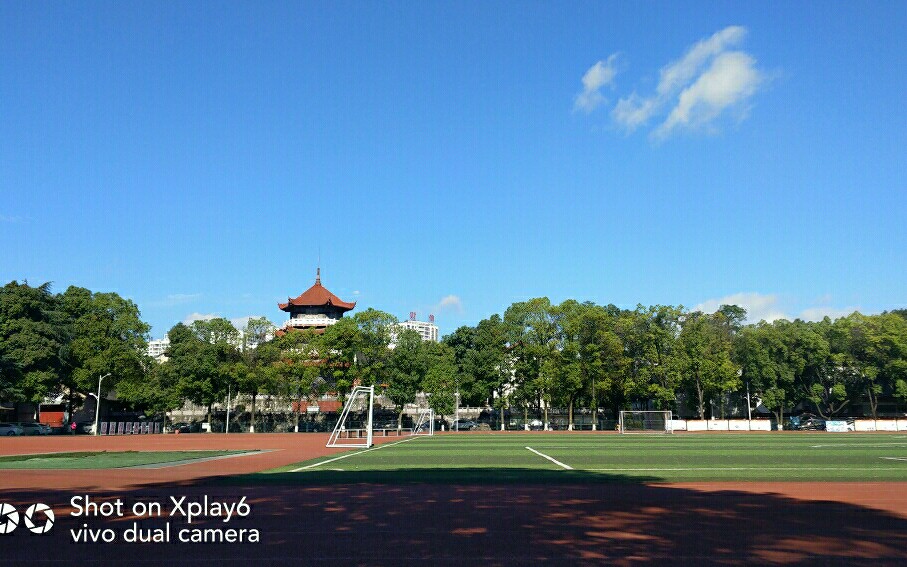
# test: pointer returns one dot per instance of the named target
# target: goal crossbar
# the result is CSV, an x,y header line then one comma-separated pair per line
x,y
646,421
346,436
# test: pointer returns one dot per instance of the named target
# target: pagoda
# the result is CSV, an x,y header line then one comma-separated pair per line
x,y
317,308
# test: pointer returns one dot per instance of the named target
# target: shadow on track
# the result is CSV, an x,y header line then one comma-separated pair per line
x,y
482,517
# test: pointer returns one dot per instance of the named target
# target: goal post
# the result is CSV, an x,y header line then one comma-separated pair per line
x,y
354,427
425,422
646,421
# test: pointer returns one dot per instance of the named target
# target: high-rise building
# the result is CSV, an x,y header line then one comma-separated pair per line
x,y
427,330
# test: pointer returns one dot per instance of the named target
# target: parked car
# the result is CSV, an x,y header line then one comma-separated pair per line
x,y
10,429
536,425
463,425
809,423
426,426
183,427
34,429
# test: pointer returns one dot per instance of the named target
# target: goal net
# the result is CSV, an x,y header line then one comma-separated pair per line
x,y
425,422
647,421
354,427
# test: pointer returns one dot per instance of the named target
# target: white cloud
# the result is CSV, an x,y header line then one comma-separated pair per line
x,y
450,302
731,79
758,307
707,80
192,317
241,322
634,111
680,73
819,313
597,76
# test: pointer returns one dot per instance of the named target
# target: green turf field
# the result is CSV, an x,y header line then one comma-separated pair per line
x,y
105,459
608,458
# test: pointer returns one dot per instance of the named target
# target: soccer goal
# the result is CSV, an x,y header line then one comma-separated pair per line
x,y
425,422
354,428
646,421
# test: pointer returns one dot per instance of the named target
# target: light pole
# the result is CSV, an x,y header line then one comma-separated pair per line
x,y
97,411
227,427
594,408
749,404
457,410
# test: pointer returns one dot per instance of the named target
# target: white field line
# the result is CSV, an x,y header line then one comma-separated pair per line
x,y
552,459
352,455
858,445
718,469
895,458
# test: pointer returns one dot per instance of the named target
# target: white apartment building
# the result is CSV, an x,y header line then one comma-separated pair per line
x,y
428,331
157,349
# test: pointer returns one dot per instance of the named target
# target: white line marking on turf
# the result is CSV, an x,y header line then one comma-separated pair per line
x,y
552,459
895,458
719,469
859,445
350,455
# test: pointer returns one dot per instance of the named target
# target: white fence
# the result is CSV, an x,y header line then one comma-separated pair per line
x,y
721,424
766,424
880,425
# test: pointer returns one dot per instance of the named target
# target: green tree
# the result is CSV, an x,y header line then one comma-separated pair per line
x,y
762,354
106,336
406,371
490,363
875,348
653,369
822,378
707,368
564,366
372,354
463,344
216,331
601,352
154,392
31,340
530,330
340,344
440,378
259,353
202,360
900,390
298,372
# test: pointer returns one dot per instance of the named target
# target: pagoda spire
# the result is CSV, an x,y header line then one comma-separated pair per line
x,y
318,276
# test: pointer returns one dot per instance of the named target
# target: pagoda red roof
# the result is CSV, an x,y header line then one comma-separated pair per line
x,y
316,296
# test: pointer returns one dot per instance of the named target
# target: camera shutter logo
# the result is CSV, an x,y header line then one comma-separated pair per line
x,y
39,509
9,518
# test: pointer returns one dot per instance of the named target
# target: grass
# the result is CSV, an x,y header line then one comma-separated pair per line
x,y
688,457
104,459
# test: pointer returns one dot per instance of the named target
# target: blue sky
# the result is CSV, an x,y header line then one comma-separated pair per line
x,y
454,157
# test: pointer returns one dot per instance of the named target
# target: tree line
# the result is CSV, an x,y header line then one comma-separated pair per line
x,y
605,358
535,356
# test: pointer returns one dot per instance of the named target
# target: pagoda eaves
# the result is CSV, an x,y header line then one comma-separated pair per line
x,y
315,309
316,296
